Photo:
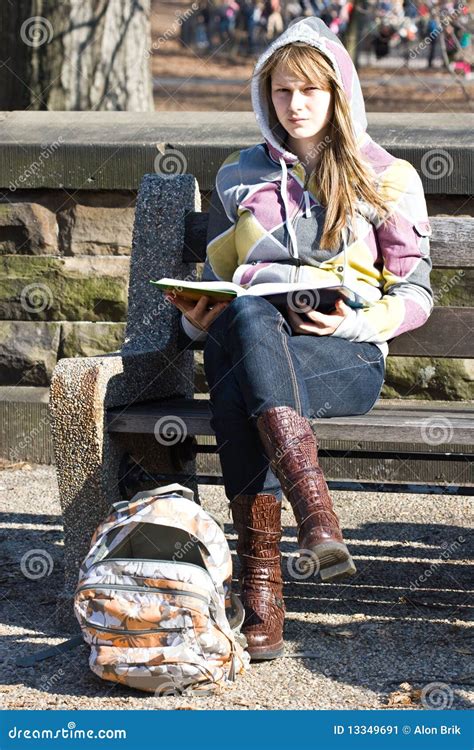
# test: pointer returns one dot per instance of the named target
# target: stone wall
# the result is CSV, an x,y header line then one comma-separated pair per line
x,y
63,288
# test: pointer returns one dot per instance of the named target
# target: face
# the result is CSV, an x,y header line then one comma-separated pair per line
x,y
303,109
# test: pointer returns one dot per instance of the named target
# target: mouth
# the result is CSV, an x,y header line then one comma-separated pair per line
x,y
297,119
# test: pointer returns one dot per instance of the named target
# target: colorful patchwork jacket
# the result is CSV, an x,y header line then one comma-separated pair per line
x,y
264,212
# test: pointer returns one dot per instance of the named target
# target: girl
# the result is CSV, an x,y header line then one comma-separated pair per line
x,y
318,200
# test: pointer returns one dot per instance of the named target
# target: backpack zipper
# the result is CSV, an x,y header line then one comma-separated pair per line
x,y
148,589
147,560
122,631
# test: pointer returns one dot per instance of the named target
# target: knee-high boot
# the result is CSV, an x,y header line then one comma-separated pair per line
x,y
257,520
292,449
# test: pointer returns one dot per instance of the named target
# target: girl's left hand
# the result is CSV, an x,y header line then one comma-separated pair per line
x,y
322,324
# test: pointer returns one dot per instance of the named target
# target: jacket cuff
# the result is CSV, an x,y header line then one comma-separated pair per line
x,y
193,332
349,327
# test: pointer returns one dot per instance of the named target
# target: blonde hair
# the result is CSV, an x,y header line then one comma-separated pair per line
x,y
343,176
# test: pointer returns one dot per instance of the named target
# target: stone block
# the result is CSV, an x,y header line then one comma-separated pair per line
x,y
87,288
453,287
28,352
427,378
95,230
80,339
27,228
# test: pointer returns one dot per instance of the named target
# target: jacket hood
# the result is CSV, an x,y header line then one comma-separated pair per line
x,y
313,32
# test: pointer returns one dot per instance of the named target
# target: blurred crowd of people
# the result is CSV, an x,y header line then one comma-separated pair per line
x,y
245,27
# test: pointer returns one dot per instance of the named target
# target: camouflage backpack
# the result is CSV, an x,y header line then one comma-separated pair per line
x,y
154,600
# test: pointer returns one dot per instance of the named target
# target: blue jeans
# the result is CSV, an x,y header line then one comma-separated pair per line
x,y
253,361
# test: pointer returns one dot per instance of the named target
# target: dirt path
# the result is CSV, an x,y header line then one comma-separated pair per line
x,y
389,89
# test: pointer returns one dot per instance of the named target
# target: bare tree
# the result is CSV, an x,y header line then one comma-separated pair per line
x,y
75,55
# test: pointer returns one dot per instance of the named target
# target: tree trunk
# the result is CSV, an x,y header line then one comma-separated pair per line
x,y
77,55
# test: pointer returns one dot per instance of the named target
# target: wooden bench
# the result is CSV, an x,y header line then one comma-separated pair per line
x,y
131,419
448,333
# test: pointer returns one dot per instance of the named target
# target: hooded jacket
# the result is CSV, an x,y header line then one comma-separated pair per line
x,y
265,222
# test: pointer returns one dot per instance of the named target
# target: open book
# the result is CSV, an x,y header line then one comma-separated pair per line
x,y
323,297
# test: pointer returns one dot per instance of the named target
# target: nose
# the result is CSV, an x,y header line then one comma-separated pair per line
x,y
296,101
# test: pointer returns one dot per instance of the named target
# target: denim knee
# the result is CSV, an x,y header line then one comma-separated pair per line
x,y
250,313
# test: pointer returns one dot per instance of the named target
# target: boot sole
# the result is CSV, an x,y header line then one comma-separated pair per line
x,y
332,560
266,653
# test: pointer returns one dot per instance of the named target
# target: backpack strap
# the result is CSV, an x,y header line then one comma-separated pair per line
x,y
30,661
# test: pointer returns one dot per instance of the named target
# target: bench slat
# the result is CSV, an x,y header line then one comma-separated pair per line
x,y
452,241
391,423
447,333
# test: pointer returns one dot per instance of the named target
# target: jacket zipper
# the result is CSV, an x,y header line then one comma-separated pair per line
x,y
148,589
307,213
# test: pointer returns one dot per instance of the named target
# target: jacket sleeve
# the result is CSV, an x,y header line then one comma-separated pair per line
x,y
403,241
221,255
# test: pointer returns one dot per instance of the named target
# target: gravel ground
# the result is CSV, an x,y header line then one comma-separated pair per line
x,y
396,636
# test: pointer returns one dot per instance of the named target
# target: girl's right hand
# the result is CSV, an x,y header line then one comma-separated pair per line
x,y
201,313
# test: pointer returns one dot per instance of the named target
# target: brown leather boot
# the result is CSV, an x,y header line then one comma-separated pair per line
x,y
292,449
257,520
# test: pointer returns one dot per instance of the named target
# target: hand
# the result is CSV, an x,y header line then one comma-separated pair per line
x,y
201,313
322,324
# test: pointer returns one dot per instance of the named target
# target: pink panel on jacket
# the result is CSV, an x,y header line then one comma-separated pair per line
x,y
400,245
414,317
